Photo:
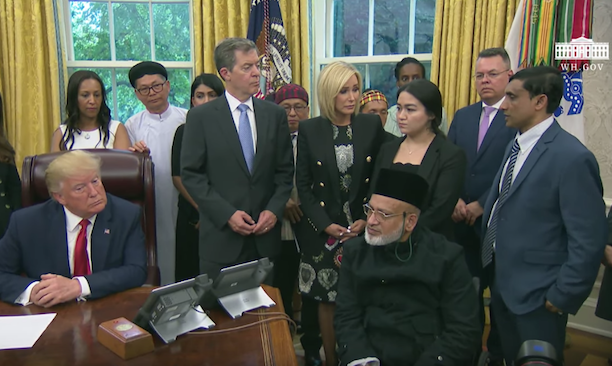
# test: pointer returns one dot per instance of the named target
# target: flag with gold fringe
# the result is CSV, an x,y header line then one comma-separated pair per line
x,y
266,29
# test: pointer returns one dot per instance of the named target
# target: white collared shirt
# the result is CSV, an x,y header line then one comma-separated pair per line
x,y
526,142
493,114
72,232
233,105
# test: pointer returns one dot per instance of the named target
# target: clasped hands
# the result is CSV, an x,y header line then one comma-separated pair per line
x,y
467,212
343,234
243,224
55,289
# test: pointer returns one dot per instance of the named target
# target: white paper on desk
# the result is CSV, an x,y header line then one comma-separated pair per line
x,y
22,331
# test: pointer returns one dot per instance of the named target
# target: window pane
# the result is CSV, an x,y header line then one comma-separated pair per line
x,y
90,30
382,77
105,75
171,29
180,87
391,27
127,103
132,31
351,27
424,30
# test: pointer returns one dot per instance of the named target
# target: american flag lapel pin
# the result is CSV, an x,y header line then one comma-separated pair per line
x,y
106,231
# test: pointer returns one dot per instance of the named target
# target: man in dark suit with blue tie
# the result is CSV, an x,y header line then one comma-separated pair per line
x,y
237,164
81,244
480,129
545,226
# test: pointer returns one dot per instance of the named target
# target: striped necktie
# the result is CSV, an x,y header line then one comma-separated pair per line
x,y
490,236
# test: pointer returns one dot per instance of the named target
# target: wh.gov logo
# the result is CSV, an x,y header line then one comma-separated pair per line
x,y
581,49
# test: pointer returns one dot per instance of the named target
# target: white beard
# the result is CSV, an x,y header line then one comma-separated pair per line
x,y
382,240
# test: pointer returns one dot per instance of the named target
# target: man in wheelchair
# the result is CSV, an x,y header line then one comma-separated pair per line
x,y
405,295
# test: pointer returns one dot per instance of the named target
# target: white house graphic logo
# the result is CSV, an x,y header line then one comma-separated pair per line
x,y
581,49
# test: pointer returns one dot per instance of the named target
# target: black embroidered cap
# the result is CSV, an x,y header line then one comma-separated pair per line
x,y
401,185
146,68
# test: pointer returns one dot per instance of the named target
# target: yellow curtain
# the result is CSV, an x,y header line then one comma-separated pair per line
x,y
214,21
30,74
462,29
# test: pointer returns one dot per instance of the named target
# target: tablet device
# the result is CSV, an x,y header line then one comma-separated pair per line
x,y
172,302
241,277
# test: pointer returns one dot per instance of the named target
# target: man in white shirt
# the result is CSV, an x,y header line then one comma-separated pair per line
x,y
237,164
545,225
152,130
80,244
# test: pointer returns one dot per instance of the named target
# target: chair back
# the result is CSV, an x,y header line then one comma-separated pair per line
x,y
125,174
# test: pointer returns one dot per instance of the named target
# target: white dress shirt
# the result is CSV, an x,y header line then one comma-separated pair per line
x,y
526,143
233,104
72,232
494,113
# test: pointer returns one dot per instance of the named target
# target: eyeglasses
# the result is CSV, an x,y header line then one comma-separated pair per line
x,y
380,216
147,89
490,75
297,108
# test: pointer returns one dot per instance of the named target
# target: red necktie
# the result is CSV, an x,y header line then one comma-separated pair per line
x,y
81,260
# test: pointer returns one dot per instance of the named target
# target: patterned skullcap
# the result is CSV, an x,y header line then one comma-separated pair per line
x,y
372,95
290,91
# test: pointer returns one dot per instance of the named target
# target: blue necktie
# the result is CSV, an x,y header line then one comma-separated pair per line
x,y
246,136
490,236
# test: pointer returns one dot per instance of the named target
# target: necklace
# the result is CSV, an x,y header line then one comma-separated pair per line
x,y
87,136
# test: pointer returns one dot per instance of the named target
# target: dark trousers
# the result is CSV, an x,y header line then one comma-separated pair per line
x,y
311,339
187,261
249,253
539,324
467,237
286,271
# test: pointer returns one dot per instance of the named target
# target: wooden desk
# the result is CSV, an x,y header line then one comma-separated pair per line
x,y
71,338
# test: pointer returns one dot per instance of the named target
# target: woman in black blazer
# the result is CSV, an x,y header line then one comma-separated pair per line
x,y
335,159
425,150
10,184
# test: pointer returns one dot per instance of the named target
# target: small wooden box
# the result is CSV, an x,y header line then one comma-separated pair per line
x,y
125,338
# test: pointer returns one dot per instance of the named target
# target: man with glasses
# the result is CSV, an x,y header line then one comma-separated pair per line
x,y
480,129
152,131
405,295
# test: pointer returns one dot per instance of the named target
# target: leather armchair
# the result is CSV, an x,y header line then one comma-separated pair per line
x,y
124,174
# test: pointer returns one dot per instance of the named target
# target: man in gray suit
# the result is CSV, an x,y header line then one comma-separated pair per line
x,y
544,222
237,164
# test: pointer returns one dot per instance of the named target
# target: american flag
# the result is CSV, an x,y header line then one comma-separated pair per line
x,y
267,31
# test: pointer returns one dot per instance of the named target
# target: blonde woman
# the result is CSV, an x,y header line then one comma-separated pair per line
x,y
335,160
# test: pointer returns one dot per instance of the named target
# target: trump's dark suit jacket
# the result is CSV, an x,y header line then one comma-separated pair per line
x,y
443,167
36,244
552,228
215,174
